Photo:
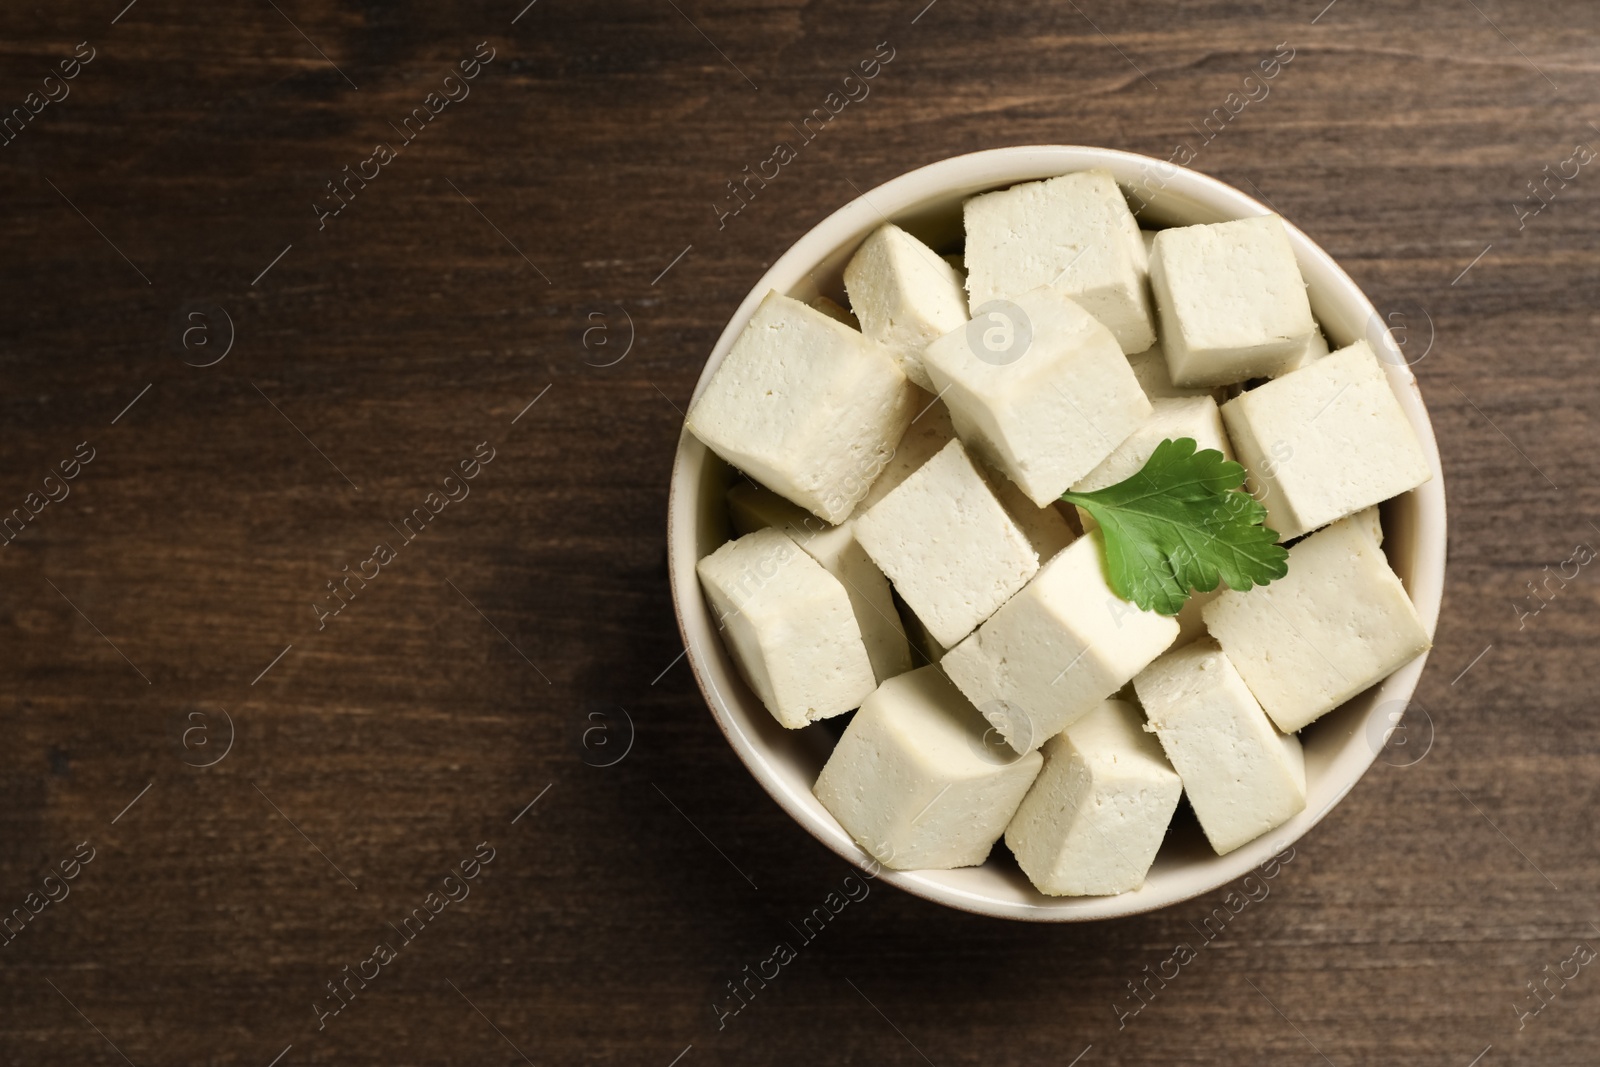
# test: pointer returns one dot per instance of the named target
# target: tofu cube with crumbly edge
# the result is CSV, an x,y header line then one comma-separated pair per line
x,y
1046,395
1056,649
1196,417
1231,300
1096,815
1338,623
947,545
754,507
1150,368
905,296
1046,528
918,781
806,406
1243,777
1073,234
789,626
1325,442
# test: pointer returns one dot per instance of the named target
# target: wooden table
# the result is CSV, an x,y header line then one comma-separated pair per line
x,y
267,389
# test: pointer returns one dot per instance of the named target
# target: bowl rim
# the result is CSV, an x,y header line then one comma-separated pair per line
x,y
996,168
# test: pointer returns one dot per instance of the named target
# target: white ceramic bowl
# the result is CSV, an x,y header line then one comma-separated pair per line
x,y
1338,747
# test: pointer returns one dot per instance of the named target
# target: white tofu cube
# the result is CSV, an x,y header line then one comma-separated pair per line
x,y
836,311
913,781
1150,368
806,406
1097,813
1046,528
924,649
1056,649
1338,623
1045,399
1243,777
1191,617
789,627
1074,234
1325,442
930,430
753,507
1231,300
948,546
905,296
1315,348
1195,416
1369,521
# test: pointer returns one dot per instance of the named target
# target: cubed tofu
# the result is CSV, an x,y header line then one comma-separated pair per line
x,y
1150,368
1338,623
1369,521
1056,649
754,507
1315,348
1196,417
930,430
1243,777
1074,234
789,626
1046,528
904,295
1097,813
1191,617
948,545
806,406
1325,442
924,649
1231,300
1140,243
836,311
1045,407
915,782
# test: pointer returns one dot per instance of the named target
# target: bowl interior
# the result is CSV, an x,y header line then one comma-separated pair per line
x,y
1338,747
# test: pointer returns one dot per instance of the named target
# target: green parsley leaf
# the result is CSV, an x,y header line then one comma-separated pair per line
x,y
1182,523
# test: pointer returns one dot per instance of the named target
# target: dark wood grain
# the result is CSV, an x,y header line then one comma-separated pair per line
x,y
458,685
